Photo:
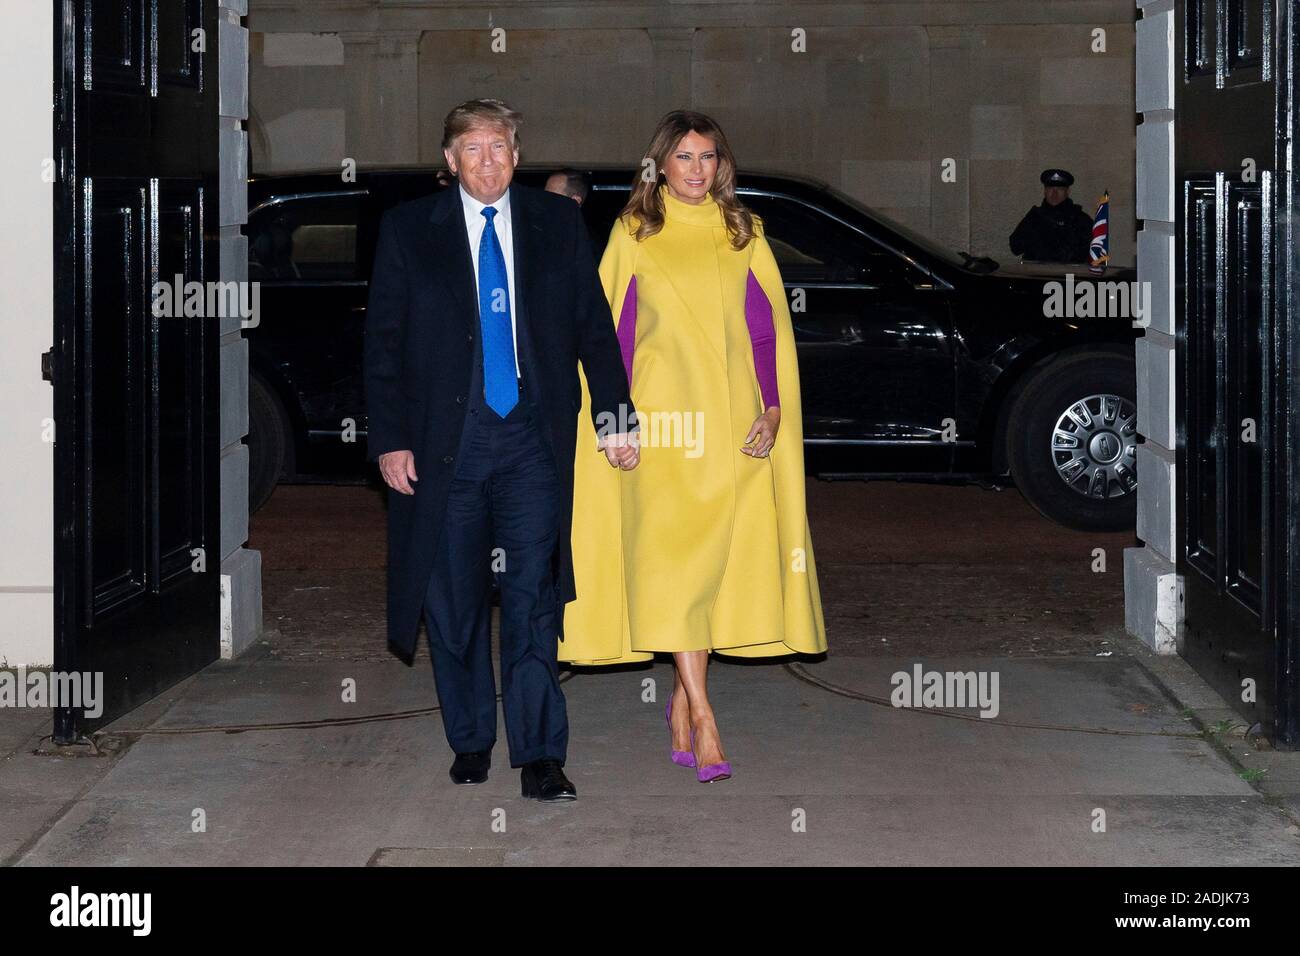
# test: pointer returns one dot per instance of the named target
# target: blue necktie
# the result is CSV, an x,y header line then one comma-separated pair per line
x,y
500,385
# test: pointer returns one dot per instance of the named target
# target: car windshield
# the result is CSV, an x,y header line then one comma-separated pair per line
x,y
911,235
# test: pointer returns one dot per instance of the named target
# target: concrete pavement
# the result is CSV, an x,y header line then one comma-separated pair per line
x,y
825,773
259,761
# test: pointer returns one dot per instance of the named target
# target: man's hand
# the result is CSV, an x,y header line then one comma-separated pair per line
x,y
398,469
622,450
762,434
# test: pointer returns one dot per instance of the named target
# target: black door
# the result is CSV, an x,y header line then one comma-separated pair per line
x,y
1237,387
136,550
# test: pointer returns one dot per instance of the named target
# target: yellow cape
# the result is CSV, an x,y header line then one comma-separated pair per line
x,y
700,547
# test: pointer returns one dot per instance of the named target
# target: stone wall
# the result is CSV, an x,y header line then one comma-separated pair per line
x,y
883,93
241,568
1153,607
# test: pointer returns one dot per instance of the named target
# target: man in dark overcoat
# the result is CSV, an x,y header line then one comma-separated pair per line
x,y
483,301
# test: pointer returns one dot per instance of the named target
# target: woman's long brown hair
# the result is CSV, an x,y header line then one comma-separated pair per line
x,y
646,206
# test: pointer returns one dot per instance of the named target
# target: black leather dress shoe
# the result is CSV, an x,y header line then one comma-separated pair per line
x,y
471,767
545,780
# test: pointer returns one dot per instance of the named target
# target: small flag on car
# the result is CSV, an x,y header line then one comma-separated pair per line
x,y
1099,245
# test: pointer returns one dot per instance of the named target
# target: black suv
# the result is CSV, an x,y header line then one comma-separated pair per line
x,y
915,362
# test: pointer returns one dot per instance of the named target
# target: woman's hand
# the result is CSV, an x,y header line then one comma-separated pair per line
x,y
762,434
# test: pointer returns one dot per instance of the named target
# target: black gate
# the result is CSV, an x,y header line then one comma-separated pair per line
x,y
136,552
1238,374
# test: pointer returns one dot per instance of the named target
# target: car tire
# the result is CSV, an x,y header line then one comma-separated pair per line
x,y
1077,418
269,442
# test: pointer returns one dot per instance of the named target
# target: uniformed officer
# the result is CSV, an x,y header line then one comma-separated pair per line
x,y
1058,230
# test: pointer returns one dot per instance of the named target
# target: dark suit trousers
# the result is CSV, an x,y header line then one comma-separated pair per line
x,y
503,516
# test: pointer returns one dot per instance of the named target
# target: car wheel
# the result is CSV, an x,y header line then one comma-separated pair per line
x,y
1072,441
269,438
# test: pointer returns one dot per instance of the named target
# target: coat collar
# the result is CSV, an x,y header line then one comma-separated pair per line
x,y
451,244
706,213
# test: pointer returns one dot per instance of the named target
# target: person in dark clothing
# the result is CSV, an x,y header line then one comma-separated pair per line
x,y
569,182
1059,230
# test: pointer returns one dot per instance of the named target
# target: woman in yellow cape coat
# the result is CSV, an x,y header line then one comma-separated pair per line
x,y
701,546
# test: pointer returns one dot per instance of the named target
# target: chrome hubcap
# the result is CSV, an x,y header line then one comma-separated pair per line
x,y
1094,446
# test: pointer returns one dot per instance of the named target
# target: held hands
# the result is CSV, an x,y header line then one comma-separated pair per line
x,y
762,434
622,450
398,469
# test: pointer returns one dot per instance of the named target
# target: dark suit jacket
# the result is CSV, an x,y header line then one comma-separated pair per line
x,y
420,346
1054,233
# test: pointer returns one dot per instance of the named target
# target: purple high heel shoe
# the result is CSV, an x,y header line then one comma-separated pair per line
x,y
683,758
714,771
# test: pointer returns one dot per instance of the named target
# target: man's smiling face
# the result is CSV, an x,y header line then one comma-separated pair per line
x,y
484,158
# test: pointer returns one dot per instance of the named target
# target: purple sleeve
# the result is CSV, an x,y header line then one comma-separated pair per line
x,y
762,337
627,328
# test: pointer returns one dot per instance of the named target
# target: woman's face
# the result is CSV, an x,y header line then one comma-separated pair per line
x,y
690,168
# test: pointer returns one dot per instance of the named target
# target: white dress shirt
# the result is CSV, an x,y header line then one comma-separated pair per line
x,y
475,221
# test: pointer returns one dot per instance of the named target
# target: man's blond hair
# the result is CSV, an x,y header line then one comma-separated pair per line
x,y
477,113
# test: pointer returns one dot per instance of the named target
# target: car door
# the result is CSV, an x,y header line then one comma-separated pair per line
x,y
872,328
309,252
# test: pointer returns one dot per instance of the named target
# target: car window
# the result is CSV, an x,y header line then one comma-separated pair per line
x,y
789,257
307,238
809,246
812,247
911,235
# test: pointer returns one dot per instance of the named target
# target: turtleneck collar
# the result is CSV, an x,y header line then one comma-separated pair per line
x,y
706,213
